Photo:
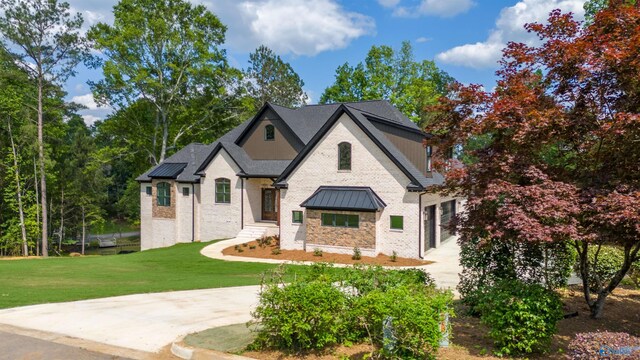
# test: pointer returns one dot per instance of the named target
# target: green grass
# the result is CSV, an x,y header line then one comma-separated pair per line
x,y
180,267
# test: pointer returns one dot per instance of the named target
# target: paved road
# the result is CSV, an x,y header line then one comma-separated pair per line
x,y
19,347
144,322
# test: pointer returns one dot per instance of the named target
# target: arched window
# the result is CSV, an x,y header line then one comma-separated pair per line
x,y
344,156
223,191
269,133
163,190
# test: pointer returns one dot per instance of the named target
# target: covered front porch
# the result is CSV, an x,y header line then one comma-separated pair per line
x,y
260,202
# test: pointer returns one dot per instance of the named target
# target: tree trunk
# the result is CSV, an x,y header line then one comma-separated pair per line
x,y
43,179
165,135
35,184
61,220
23,229
84,230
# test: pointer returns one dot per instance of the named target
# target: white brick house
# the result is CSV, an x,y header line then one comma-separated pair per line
x,y
331,177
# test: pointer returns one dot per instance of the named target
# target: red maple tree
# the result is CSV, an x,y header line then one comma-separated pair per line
x,y
560,153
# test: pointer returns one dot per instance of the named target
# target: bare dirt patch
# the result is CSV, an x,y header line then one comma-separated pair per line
x,y
272,251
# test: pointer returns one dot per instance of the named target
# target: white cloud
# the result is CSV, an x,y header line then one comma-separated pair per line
x,y
509,27
86,100
389,3
441,8
297,27
90,119
423,39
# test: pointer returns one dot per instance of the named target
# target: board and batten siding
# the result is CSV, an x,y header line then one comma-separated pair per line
x,y
369,167
284,146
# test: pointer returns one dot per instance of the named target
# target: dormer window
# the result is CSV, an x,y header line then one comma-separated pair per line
x,y
344,156
269,133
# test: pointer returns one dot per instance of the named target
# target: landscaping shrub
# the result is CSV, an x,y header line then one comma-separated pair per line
x,y
357,254
317,252
327,306
522,317
487,263
610,345
393,257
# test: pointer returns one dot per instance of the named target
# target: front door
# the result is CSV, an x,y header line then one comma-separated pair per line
x,y
269,205
429,227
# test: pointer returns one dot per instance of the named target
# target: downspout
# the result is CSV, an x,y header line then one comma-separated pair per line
x,y
193,212
241,203
420,240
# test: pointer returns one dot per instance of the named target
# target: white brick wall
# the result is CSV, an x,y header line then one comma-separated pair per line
x,y
146,229
370,167
184,214
219,220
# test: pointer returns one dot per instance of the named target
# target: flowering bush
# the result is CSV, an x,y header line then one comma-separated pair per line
x,y
609,345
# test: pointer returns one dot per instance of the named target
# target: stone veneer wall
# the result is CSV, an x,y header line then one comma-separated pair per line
x,y
363,237
167,212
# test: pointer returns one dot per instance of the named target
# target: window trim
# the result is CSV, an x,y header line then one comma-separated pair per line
x,y
149,190
293,217
163,192
391,227
345,146
266,132
334,218
225,195
186,191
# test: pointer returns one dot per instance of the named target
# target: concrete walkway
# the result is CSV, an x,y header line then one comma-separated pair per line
x,y
144,322
444,269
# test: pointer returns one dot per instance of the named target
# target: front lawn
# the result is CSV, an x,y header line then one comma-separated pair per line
x,y
180,267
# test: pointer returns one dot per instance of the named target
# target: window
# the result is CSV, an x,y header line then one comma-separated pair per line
x,y
269,133
223,191
448,212
149,191
429,157
396,222
185,191
296,216
344,156
164,194
340,220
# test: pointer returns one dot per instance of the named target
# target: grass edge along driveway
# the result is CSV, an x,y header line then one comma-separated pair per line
x,y
179,267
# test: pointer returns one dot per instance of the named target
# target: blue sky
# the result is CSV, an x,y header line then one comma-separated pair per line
x,y
464,37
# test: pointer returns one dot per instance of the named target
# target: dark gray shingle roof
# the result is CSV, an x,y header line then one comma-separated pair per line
x,y
306,122
344,198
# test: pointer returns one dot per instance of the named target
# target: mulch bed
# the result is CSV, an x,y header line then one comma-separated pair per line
x,y
254,250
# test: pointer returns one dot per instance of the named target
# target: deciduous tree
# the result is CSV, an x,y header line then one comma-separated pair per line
x,y
45,39
395,76
561,160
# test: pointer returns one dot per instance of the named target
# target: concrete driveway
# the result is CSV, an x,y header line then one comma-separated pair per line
x,y
145,322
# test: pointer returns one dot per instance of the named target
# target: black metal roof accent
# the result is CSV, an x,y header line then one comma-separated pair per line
x,y
168,170
354,198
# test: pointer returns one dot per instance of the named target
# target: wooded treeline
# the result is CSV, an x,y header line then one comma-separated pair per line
x,y
168,82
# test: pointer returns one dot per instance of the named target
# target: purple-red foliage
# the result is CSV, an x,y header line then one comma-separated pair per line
x,y
604,345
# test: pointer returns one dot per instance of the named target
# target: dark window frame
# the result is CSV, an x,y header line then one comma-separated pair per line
x,y
429,164
391,218
149,190
223,191
269,133
332,220
163,193
185,191
344,156
293,217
